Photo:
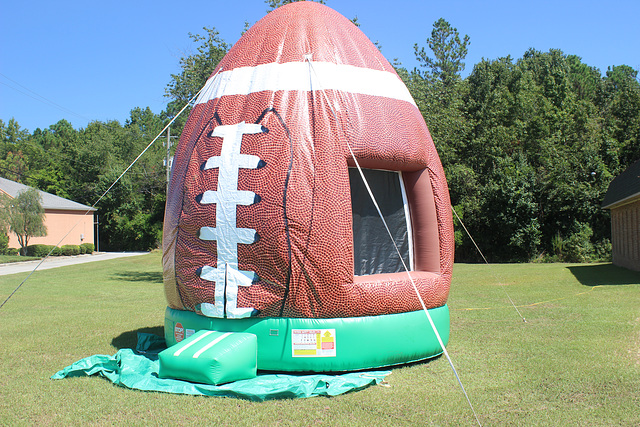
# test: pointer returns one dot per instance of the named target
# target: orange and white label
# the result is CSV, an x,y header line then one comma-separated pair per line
x,y
313,342
178,332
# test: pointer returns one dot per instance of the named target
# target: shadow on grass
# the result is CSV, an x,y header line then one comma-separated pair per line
x,y
140,276
129,339
604,274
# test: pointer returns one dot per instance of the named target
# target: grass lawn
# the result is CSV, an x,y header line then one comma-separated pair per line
x,y
576,360
4,259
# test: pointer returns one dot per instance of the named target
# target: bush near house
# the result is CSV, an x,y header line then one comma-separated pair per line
x,y
4,244
68,250
41,251
10,252
87,248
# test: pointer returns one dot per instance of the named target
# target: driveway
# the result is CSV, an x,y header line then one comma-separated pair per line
x,y
61,261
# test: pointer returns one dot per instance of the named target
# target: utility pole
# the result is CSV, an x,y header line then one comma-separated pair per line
x,y
168,158
97,236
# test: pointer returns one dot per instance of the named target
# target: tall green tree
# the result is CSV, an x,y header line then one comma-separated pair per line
x,y
538,135
14,166
440,95
11,134
622,111
195,70
440,92
449,52
25,216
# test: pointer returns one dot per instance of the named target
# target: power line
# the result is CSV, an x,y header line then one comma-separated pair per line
x,y
36,96
21,174
40,98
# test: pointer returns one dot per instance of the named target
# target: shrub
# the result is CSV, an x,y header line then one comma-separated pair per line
x,y
558,245
578,247
68,250
41,251
4,242
602,251
11,251
88,248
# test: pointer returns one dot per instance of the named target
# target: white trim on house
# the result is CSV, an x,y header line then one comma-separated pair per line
x,y
625,201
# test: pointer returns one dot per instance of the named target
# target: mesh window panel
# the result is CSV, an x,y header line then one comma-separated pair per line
x,y
374,252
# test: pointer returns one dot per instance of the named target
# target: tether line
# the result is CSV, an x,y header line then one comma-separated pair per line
x,y
415,288
487,263
533,304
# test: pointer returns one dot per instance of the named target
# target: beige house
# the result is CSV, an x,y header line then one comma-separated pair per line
x,y
623,200
68,222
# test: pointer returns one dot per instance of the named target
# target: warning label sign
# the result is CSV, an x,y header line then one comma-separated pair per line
x,y
178,332
313,342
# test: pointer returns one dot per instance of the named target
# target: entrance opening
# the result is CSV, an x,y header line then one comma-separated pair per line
x,y
374,252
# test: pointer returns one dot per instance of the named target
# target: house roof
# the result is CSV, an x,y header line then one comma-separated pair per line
x,y
624,187
49,201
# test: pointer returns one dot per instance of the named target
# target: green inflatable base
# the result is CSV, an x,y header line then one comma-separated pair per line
x,y
326,345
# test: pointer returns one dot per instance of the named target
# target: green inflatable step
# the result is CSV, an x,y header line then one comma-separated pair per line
x,y
211,357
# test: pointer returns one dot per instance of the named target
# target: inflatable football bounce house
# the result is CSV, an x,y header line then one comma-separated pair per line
x,y
270,228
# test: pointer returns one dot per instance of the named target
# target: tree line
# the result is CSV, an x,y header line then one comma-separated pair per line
x,y
528,145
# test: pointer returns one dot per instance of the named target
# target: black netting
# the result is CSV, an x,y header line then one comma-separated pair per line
x,y
374,252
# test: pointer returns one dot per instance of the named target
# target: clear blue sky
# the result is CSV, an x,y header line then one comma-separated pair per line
x,y
87,60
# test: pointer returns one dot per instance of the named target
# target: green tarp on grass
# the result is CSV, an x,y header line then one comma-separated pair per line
x,y
140,372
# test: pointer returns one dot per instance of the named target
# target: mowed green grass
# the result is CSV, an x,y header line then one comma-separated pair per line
x,y
5,259
575,361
